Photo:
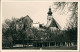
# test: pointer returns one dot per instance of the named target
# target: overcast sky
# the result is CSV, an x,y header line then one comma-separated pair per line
x,y
36,10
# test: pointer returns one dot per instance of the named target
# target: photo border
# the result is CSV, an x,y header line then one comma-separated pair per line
x,y
78,39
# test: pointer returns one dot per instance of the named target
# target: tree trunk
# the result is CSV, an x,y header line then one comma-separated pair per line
x,y
11,45
23,43
49,44
36,44
60,44
66,44
72,44
42,44
69,43
55,43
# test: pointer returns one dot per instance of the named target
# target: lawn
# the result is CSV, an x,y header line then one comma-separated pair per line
x,y
46,48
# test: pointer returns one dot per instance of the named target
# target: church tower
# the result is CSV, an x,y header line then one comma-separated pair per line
x,y
51,22
49,17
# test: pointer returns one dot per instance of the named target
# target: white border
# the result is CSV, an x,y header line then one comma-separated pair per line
x,y
14,50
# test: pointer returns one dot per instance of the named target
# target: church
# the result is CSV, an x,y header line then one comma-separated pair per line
x,y
51,22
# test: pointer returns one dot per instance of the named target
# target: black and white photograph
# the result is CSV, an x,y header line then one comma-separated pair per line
x,y
39,25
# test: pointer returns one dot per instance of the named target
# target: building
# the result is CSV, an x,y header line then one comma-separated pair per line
x,y
51,22
24,22
38,26
35,25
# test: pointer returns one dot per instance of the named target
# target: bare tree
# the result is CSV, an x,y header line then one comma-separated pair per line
x,y
72,10
72,7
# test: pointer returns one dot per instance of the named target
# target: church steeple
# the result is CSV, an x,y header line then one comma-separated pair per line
x,y
49,12
51,22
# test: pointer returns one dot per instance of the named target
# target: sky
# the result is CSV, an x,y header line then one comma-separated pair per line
x,y
36,10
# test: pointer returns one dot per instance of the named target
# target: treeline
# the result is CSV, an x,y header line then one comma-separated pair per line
x,y
10,33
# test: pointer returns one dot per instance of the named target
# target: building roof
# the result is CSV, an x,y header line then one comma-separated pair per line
x,y
26,18
53,23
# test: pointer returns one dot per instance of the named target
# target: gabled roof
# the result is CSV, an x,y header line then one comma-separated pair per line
x,y
53,23
26,18
58,26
